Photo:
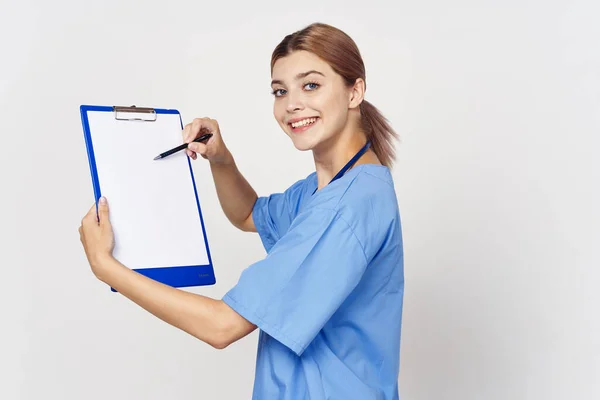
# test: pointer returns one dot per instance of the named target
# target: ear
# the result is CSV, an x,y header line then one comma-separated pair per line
x,y
357,93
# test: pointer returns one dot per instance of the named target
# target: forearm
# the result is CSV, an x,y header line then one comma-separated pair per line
x,y
236,196
207,319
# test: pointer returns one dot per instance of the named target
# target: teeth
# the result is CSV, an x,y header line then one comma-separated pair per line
x,y
303,122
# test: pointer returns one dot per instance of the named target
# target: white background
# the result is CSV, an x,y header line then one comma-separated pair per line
x,y
497,104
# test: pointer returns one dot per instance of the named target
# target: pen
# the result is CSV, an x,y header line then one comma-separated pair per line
x,y
183,146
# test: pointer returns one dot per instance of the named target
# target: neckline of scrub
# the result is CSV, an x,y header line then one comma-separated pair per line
x,y
377,168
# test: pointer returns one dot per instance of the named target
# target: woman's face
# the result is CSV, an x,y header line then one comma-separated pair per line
x,y
311,100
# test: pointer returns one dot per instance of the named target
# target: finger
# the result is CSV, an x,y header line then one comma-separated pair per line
x,y
90,215
197,147
186,133
190,133
204,125
213,127
103,213
197,125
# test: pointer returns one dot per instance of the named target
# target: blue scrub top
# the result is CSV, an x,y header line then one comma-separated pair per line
x,y
328,296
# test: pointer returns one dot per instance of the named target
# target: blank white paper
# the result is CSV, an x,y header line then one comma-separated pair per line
x,y
153,208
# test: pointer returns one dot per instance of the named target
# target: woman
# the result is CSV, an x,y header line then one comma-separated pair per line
x,y
328,296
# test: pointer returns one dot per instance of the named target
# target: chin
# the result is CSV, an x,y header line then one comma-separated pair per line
x,y
305,141
302,145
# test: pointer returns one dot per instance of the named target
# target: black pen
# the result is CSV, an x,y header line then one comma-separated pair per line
x,y
183,146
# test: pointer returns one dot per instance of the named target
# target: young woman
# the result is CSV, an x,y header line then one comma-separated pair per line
x,y
328,297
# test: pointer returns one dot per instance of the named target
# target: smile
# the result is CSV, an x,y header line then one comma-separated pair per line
x,y
303,123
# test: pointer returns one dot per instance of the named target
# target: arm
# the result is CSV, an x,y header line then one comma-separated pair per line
x,y
236,196
210,320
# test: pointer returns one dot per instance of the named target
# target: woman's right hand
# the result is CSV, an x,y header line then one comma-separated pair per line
x,y
213,150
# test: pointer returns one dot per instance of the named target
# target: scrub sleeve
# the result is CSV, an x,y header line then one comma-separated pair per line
x,y
314,262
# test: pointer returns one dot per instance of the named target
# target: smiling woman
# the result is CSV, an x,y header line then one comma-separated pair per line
x,y
328,297
324,65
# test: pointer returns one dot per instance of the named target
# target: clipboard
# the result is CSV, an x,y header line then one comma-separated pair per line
x,y
154,204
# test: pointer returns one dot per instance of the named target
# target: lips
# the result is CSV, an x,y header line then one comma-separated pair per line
x,y
302,124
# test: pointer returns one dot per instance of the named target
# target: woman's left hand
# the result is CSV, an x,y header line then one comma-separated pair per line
x,y
97,235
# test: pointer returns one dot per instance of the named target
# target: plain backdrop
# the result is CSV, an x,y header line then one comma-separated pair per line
x,y
497,105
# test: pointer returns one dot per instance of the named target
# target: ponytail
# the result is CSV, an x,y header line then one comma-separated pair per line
x,y
379,132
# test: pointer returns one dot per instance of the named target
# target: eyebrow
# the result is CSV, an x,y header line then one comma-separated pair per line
x,y
299,76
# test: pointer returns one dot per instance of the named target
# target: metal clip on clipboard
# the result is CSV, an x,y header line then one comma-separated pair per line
x,y
140,113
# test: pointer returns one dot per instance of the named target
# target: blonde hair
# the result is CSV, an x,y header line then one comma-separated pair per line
x,y
338,50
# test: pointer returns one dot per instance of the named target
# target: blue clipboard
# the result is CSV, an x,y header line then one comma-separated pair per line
x,y
193,263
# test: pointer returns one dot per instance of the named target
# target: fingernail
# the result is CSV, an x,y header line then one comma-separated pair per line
x,y
102,200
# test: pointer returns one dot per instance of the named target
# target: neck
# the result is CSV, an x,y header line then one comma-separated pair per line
x,y
331,156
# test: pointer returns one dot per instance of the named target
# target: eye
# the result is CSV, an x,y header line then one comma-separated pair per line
x,y
277,93
314,84
310,85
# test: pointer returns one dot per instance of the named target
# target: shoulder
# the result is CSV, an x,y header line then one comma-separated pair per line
x,y
300,185
290,195
364,189
370,200
372,184
366,201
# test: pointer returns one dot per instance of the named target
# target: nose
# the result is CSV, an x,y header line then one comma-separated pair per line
x,y
294,102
